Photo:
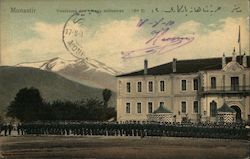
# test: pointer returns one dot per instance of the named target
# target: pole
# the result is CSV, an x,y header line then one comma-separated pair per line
x,y
239,42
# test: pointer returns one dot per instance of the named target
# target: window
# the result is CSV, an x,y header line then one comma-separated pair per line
x,y
183,85
213,109
234,83
138,107
162,86
150,86
195,84
150,107
183,107
196,107
139,87
213,82
128,87
161,104
128,108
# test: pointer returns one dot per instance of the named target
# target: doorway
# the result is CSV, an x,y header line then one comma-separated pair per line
x,y
238,113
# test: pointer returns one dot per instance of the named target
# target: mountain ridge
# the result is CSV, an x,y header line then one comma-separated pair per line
x,y
51,85
85,71
51,63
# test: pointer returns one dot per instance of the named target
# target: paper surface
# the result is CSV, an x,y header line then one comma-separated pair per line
x,y
90,42
73,50
121,34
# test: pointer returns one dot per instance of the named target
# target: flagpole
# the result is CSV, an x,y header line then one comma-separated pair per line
x,y
239,42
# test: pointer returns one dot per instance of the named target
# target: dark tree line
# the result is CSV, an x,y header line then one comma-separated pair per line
x,y
28,105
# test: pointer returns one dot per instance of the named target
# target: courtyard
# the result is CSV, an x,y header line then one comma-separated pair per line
x,y
113,147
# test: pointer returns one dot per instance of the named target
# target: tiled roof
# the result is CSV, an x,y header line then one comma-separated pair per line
x,y
187,66
162,109
226,108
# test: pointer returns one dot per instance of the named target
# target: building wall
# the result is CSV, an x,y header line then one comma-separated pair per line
x,y
172,96
223,78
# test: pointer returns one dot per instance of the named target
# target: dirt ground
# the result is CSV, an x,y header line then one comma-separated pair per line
x,y
65,147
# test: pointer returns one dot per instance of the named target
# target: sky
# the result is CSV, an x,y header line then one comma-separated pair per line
x,y
156,30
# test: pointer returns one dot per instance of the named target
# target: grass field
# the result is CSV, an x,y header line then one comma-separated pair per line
x,y
61,147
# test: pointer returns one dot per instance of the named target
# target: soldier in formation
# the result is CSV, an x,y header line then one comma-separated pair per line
x,y
6,129
132,128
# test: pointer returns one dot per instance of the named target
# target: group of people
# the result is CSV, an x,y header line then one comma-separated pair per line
x,y
6,128
204,130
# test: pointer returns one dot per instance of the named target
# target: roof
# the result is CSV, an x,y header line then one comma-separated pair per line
x,y
187,66
226,108
162,109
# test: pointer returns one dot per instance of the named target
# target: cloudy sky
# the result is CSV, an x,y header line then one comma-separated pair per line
x,y
144,29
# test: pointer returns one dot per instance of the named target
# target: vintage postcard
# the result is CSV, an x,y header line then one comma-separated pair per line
x,y
124,79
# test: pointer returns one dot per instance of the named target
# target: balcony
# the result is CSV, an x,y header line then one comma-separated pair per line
x,y
244,90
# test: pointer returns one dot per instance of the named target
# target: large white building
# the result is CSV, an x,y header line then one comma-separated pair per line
x,y
191,89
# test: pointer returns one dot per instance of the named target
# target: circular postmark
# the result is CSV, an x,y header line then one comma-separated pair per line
x,y
72,35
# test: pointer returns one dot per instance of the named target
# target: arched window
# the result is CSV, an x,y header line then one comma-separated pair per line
x,y
128,87
150,107
127,108
213,109
183,85
162,86
183,106
213,82
139,86
138,107
150,86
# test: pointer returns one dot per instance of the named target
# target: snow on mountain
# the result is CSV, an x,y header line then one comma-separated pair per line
x,y
31,64
86,71
58,64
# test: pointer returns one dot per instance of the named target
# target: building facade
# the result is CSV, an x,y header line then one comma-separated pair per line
x,y
193,90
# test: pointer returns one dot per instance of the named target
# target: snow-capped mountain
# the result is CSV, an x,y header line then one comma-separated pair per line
x,y
57,64
86,71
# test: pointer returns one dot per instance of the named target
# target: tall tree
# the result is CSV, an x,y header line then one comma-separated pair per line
x,y
106,93
27,105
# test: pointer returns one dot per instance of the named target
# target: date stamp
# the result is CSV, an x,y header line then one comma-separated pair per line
x,y
73,35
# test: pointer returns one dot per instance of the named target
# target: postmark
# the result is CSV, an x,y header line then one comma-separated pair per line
x,y
73,34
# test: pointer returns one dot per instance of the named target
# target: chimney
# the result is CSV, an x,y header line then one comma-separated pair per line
x,y
234,56
174,64
145,67
223,61
244,61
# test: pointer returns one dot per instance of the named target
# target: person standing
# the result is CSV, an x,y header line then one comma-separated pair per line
x,y
5,129
10,127
18,128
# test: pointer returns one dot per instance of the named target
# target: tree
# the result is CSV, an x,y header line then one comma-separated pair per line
x,y
106,93
27,105
1,119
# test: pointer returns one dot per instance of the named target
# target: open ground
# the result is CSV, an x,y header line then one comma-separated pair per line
x,y
64,147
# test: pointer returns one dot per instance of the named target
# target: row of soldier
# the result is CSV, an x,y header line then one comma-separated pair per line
x,y
6,128
235,131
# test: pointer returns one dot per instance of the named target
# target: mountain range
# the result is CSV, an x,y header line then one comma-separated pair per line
x,y
89,72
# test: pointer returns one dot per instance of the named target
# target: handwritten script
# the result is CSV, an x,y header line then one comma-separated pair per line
x,y
159,42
